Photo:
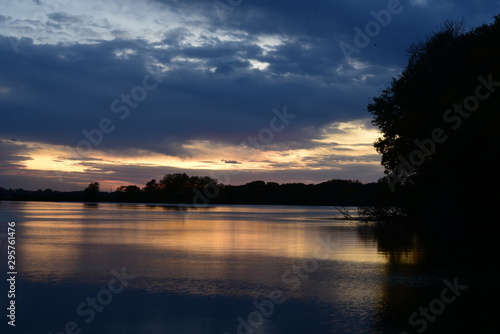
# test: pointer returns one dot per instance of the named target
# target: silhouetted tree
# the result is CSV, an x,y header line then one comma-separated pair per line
x,y
179,187
92,191
151,186
133,193
439,120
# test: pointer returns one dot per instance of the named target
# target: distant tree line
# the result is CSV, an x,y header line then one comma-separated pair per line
x,y
181,188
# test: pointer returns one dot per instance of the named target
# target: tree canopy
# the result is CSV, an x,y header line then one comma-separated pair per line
x,y
439,122
92,191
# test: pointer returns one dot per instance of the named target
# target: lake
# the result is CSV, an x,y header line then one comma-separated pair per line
x,y
136,268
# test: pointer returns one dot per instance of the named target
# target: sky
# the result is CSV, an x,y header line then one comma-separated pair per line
x,y
121,92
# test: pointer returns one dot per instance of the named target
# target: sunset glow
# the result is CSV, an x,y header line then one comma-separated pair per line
x,y
352,146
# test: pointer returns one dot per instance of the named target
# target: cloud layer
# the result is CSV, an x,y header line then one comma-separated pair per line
x,y
188,81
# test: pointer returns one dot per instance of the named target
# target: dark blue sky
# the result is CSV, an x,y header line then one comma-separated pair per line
x,y
124,91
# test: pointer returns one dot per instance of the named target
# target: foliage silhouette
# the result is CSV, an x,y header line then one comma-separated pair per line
x,y
92,192
439,139
181,188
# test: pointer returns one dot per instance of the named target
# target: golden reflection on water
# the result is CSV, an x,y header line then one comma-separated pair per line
x,y
226,256
193,250
236,251
207,231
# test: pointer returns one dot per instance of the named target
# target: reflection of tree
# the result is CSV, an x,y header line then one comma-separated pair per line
x,y
419,259
91,205
400,243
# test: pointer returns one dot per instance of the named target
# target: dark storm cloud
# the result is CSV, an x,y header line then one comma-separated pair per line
x,y
51,92
13,155
57,91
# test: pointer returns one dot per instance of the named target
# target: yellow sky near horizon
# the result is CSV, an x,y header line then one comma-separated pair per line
x,y
340,145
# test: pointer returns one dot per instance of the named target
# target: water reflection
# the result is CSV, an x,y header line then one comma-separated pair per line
x,y
202,268
205,244
420,261
400,245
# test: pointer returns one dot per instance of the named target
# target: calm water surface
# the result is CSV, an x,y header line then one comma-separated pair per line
x,y
221,269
